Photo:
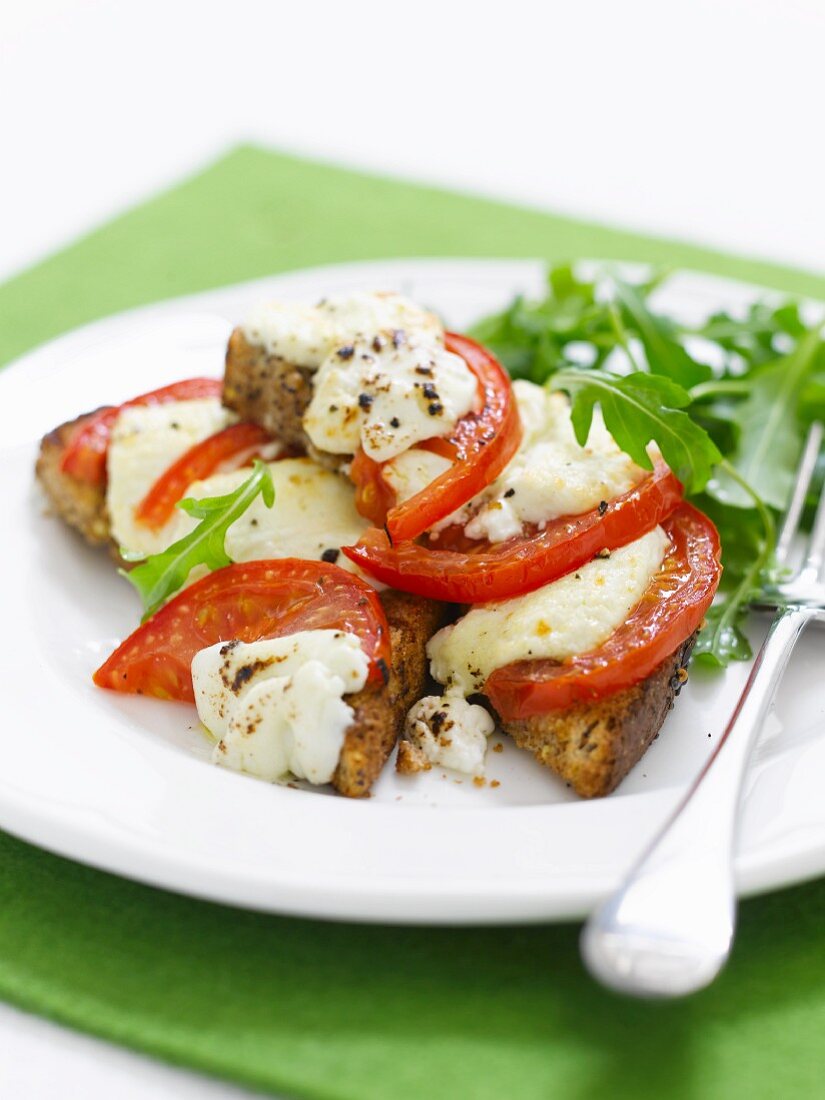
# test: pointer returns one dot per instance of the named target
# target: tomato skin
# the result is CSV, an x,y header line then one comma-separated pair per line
x,y
481,446
468,571
373,496
85,455
198,462
671,609
250,601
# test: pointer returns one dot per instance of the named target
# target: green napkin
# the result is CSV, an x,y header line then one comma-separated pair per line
x,y
342,1011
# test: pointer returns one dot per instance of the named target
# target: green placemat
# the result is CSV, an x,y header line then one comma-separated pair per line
x,y
342,1011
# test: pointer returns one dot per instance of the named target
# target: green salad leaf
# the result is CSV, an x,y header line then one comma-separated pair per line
x,y
731,428
639,409
160,576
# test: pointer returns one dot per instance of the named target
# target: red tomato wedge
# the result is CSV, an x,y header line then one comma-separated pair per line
x,y
481,446
461,570
670,610
85,455
198,462
260,599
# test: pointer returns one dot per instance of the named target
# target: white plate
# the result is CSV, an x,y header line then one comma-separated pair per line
x,y
124,783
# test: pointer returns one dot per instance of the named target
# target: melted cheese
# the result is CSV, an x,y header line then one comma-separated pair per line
x,y
550,475
145,441
413,470
307,335
573,615
386,395
313,514
276,706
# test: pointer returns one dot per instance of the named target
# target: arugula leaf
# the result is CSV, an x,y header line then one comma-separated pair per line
x,y
161,575
664,354
769,439
639,409
767,384
722,639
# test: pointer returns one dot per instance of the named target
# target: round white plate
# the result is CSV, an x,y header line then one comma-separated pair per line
x,y
125,783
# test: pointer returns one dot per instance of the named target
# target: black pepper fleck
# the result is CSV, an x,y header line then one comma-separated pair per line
x,y
435,408
602,507
346,352
510,493
331,555
395,422
365,400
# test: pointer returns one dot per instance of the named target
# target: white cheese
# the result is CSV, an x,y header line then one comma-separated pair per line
x,y
413,470
306,335
550,475
386,395
313,514
145,441
450,732
570,616
276,707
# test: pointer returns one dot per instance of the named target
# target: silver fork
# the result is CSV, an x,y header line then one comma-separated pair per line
x,y
669,928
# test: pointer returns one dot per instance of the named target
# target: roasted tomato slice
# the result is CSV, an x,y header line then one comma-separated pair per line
x,y
85,454
670,610
201,460
461,570
260,599
481,446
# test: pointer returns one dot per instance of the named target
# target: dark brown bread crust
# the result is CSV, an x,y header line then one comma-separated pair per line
x,y
81,505
380,713
267,390
593,746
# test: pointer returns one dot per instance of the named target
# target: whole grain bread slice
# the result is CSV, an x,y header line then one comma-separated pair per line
x,y
267,390
81,505
593,745
380,712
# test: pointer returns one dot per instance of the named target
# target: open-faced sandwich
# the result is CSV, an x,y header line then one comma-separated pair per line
x,y
367,532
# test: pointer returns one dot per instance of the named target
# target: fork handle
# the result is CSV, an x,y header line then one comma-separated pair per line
x,y
669,928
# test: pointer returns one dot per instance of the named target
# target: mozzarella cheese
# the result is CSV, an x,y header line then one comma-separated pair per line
x,y
386,395
276,707
313,514
145,441
306,335
451,732
413,470
550,475
572,615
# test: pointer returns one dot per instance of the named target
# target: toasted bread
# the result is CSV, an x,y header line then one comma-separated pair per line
x,y
593,745
81,505
267,390
380,712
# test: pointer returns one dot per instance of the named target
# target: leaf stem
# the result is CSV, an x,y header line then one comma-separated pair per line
x,y
736,387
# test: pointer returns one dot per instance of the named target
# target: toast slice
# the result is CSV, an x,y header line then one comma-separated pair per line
x,y
81,505
380,712
267,390
593,745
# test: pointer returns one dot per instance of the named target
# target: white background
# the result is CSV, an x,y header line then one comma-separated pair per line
x,y
698,119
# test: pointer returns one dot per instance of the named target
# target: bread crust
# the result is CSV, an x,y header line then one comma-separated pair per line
x,y
267,390
380,711
593,745
81,505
